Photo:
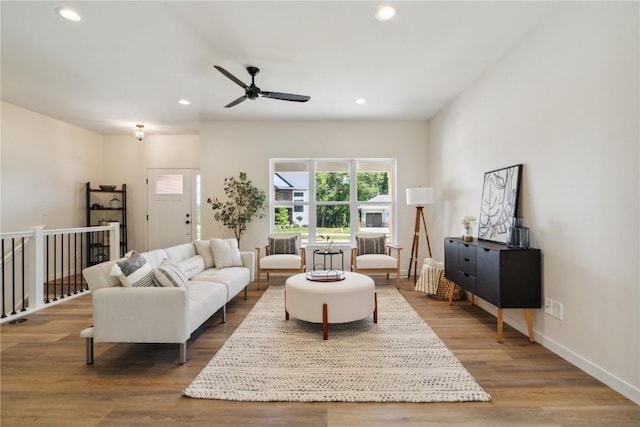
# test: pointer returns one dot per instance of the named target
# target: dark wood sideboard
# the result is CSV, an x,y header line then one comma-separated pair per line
x,y
505,277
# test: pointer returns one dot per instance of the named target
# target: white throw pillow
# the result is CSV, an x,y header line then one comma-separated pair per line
x,y
203,248
169,274
226,253
192,266
133,271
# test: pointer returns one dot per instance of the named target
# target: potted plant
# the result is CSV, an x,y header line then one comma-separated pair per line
x,y
244,203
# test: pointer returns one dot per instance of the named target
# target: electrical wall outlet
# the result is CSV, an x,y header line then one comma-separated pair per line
x,y
557,310
548,306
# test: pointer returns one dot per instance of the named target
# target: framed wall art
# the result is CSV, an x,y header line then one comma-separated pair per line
x,y
500,195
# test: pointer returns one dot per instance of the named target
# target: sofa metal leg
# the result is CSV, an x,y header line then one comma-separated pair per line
x,y
224,313
183,353
89,344
245,292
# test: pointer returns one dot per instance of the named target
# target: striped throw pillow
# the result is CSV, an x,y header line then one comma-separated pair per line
x,y
169,274
370,245
134,271
283,245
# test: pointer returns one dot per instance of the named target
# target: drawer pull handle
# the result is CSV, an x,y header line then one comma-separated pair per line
x,y
466,275
486,250
467,259
450,241
465,245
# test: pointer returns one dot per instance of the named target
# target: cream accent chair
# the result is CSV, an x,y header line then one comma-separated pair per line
x,y
284,254
373,255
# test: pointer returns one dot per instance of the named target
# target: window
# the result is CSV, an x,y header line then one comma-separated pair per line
x,y
333,198
169,184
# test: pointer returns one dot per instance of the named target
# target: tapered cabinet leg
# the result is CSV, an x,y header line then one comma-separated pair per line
x,y
500,316
528,318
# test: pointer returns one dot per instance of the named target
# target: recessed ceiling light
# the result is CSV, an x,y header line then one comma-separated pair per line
x,y
184,102
361,101
68,14
385,13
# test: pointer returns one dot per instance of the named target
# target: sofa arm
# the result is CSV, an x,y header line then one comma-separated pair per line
x,y
248,260
122,314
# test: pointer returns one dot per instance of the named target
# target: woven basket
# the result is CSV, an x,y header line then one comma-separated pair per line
x,y
442,291
434,284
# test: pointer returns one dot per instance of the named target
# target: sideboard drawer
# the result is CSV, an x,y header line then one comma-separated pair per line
x,y
465,265
467,251
467,281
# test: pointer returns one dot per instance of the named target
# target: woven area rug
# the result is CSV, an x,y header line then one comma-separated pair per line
x,y
400,359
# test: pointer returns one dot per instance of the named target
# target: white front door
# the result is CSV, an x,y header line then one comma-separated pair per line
x,y
169,207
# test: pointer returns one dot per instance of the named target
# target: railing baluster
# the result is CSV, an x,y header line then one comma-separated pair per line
x,y
47,278
4,313
24,295
13,275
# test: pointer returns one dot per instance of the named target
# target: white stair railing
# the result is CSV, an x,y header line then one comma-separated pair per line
x,y
36,262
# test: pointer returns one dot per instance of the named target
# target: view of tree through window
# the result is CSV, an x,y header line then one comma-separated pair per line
x,y
332,199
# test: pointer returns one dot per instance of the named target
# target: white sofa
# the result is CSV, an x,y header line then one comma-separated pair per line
x,y
163,314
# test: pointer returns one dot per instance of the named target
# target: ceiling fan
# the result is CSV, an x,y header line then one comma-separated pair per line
x,y
253,91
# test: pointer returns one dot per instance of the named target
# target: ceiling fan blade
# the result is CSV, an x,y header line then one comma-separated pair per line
x,y
236,102
285,96
231,77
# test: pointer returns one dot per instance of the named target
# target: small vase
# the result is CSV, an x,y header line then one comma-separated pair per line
x,y
517,235
467,233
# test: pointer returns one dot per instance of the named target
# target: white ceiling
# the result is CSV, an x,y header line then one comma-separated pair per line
x,y
130,62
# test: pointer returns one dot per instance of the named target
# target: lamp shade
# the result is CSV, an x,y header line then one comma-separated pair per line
x,y
419,196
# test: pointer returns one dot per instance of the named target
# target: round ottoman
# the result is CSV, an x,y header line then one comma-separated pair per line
x,y
353,298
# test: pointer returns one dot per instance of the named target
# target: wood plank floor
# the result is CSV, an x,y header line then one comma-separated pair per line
x,y
45,381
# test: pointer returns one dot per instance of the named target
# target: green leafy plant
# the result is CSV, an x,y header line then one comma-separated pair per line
x,y
244,203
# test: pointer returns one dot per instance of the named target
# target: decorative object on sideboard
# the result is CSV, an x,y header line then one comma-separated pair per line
x,y
467,228
418,197
517,234
500,195
107,187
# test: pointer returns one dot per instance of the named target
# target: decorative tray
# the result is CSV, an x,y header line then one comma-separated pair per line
x,y
326,275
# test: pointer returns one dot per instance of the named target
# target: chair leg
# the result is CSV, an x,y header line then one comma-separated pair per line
x,y
89,344
258,279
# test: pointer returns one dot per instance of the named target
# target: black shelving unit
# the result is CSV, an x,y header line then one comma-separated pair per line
x,y
99,212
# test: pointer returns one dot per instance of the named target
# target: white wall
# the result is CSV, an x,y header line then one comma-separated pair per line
x,y
45,165
565,104
128,161
228,148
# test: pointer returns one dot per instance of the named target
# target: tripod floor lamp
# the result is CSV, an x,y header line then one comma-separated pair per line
x,y
418,197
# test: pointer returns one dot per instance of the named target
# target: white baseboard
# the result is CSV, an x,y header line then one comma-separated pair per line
x,y
611,380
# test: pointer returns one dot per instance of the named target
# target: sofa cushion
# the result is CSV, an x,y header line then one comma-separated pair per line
x,y
203,248
192,266
133,271
155,257
283,245
226,253
170,274
234,278
181,252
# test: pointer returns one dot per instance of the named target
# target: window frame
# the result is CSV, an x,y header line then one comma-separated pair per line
x,y
354,205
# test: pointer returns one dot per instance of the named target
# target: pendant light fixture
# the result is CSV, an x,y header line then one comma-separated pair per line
x,y
139,133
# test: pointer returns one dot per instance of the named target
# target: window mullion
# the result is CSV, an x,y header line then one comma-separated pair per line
x,y
353,201
312,202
